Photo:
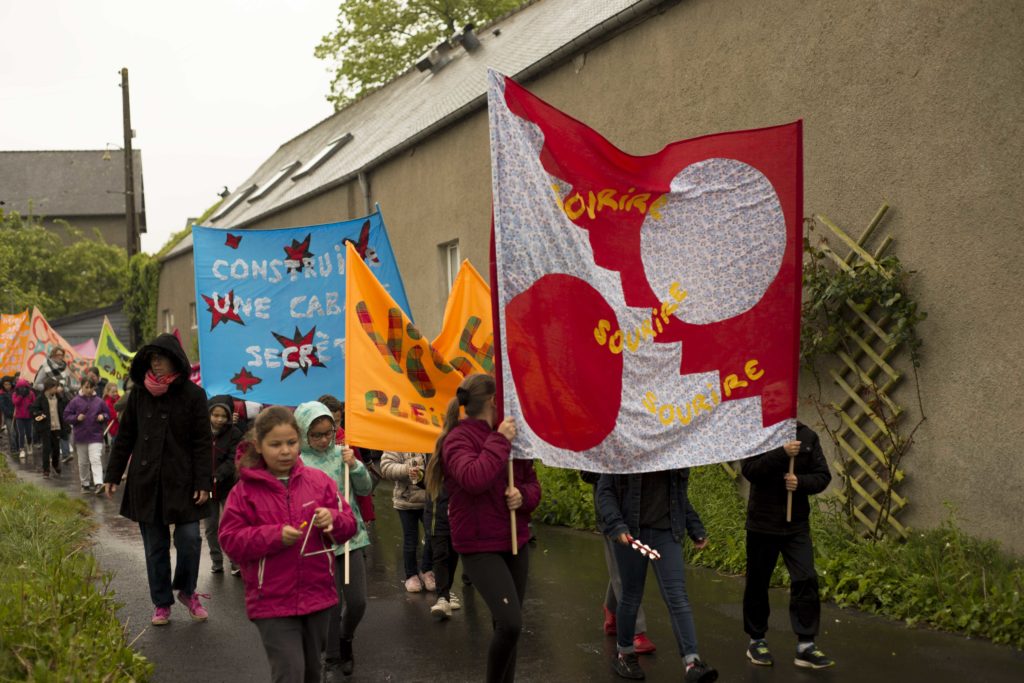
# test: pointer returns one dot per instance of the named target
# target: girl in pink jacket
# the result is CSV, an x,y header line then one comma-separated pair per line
x,y
281,523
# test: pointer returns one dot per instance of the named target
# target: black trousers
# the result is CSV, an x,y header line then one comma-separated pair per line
x,y
500,578
446,559
51,450
797,552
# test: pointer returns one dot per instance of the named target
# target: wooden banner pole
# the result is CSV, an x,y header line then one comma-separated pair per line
x,y
512,513
789,495
348,543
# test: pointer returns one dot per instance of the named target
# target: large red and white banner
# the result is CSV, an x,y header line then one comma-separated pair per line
x,y
648,306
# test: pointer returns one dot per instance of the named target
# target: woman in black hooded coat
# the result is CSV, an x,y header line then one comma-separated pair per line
x,y
165,435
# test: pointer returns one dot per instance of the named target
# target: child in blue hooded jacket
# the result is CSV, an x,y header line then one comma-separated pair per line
x,y
319,450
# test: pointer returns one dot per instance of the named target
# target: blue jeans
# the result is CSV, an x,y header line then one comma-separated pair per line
x,y
671,575
156,539
412,520
24,429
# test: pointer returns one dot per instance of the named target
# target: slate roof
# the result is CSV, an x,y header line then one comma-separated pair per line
x,y
62,183
415,104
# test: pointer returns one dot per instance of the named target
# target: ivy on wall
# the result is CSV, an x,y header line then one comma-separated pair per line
x,y
140,295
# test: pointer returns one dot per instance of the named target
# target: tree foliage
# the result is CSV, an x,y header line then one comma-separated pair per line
x,y
375,40
38,269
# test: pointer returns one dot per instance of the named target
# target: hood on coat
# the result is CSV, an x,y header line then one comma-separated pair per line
x,y
222,400
23,383
306,414
168,345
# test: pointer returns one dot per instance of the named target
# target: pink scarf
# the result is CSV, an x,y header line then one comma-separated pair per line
x,y
158,385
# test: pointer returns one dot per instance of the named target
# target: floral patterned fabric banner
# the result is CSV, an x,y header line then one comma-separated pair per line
x,y
648,307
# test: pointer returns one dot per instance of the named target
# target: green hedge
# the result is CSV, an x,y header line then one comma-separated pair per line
x,y
57,614
941,578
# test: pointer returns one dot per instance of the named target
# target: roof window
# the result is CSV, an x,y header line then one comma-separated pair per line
x,y
325,153
277,177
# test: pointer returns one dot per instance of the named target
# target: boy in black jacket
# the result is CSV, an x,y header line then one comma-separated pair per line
x,y
769,534
225,441
48,414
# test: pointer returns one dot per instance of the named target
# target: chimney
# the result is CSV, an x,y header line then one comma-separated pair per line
x,y
468,39
436,58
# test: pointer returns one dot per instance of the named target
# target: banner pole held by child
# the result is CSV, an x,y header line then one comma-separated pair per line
x,y
348,543
512,513
789,494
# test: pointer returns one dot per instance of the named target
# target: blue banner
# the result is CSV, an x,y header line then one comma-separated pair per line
x,y
270,306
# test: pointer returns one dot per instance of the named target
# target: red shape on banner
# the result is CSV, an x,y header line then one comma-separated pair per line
x,y
557,378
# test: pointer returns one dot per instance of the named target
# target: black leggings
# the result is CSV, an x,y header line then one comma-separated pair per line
x,y
500,578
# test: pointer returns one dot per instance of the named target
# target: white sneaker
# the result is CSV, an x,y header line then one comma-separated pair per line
x,y
441,610
453,602
21,454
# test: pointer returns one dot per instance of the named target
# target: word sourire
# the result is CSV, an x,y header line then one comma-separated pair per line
x,y
668,413
648,329
575,205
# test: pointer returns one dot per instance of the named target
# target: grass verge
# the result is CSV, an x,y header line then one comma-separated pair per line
x,y
58,617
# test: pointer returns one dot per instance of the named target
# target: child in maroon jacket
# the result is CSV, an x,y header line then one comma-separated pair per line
x,y
472,460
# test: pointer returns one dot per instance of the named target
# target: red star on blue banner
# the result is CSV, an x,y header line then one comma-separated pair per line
x,y
245,380
299,352
228,316
297,252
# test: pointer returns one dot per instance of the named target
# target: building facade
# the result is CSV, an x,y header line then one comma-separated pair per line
x,y
912,103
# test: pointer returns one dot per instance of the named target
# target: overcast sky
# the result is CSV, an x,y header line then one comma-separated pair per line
x,y
216,86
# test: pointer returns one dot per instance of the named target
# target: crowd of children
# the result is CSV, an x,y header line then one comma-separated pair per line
x,y
288,504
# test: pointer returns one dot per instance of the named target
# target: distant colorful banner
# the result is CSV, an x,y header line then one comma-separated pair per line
x,y
270,306
86,349
112,357
40,339
397,385
648,306
14,341
467,332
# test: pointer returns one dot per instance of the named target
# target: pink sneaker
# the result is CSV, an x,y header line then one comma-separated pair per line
x,y
429,583
413,584
195,608
161,615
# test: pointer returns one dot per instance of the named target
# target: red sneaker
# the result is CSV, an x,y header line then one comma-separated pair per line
x,y
609,621
642,644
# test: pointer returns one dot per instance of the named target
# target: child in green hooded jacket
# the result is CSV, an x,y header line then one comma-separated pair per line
x,y
316,434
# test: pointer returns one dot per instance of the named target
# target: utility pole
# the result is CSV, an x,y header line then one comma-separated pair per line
x,y
129,171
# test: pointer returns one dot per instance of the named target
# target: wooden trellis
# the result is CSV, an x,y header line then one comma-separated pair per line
x,y
864,439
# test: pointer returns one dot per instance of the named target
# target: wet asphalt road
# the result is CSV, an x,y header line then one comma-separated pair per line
x,y
562,639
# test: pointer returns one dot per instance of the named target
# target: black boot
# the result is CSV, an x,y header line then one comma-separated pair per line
x,y
332,671
348,661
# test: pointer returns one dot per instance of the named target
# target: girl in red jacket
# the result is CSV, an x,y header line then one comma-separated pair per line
x,y
281,522
471,459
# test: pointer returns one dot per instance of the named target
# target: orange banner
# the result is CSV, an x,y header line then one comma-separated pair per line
x,y
14,341
41,338
467,332
397,386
